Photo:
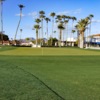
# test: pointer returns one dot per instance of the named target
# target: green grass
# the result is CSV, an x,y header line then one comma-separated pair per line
x,y
27,77
28,51
16,84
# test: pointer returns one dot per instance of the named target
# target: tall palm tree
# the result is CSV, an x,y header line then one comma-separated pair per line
x,y
73,19
60,27
47,20
1,14
87,33
36,27
38,22
81,27
64,17
73,31
66,26
68,18
21,7
52,15
90,17
42,16
58,20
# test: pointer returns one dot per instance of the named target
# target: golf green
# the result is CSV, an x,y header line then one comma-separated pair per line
x,y
63,77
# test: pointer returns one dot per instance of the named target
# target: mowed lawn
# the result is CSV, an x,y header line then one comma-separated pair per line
x,y
28,51
70,76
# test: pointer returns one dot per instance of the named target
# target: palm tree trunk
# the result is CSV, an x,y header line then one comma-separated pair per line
x,y
52,31
82,40
60,38
90,33
72,33
36,38
78,35
1,5
66,33
42,30
18,24
47,33
39,34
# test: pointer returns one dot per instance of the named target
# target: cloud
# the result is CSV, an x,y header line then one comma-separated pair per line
x,y
76,11
96,21
62,13
28,27
33,14
19,15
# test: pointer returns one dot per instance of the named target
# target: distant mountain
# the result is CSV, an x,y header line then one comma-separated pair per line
x,y
31,38
44,39
28,39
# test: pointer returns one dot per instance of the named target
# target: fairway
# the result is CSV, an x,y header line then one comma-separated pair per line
x,y
28,51
27,75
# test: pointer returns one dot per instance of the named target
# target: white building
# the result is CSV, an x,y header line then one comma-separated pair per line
x,y
93,39
71,41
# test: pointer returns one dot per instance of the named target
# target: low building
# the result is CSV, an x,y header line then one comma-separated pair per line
x,y
71,41
93,39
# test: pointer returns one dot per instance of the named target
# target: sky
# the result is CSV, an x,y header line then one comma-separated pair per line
x,y
78,8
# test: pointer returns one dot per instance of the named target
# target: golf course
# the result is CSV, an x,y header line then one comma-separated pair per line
x,y
49,73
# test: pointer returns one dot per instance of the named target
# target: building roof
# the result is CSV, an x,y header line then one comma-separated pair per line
x,y
96,34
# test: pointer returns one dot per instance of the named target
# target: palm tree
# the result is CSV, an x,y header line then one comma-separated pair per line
x,y
20,6
59,18
42,13
90,17
38,22
81,27
60,27
1,14
47,20
73,31
64,17
68,18
52,15
73,19
66,25
36,27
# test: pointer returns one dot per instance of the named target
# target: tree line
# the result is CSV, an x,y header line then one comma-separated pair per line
x,y
62,24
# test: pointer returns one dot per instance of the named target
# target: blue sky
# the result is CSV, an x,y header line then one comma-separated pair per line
x,y
77,8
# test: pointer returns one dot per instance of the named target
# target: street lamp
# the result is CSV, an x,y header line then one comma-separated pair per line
x,y
1,23
20,6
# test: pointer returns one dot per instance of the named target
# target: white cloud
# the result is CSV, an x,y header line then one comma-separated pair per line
x,y
96,21
63,13
19,15
76,11
28,27
33,14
